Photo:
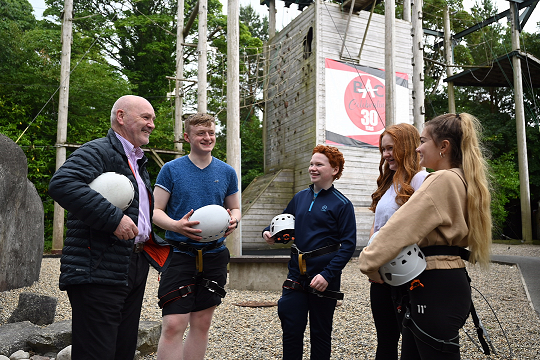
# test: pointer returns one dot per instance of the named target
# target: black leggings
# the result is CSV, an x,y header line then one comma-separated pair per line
x,y
439,308
384,302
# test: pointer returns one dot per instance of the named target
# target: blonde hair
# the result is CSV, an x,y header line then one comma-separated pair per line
x,y
406,139
462,131
198,119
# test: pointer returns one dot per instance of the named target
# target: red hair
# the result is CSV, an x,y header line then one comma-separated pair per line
x,y
335,157
406,139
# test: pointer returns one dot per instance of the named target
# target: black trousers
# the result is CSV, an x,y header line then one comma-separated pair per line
x,y
105,318
384,302
293,309
440,308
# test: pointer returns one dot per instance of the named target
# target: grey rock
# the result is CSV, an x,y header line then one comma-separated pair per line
x,y
149,333
38,309
2,357
65,354
19,355
21,216
13,336
39,357
52,338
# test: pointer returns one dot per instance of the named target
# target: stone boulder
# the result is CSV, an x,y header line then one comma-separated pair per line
x,y
149,333
52,338
13,337
38,309
56,338
21,216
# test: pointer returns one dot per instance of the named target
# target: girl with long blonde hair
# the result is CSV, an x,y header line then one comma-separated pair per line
x,y
449,213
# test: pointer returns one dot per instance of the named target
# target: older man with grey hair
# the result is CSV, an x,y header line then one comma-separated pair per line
x,y
107,251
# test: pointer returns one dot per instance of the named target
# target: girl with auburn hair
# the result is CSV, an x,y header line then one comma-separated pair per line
x,y
400,174
450,212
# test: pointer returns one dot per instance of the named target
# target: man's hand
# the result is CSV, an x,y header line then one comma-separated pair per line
x,y
319,283
233,224
126,229
267,236
185,227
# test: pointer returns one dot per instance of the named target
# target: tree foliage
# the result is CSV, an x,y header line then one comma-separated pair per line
x,y
130,48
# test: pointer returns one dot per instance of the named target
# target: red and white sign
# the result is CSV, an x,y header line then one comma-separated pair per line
x,y
355,103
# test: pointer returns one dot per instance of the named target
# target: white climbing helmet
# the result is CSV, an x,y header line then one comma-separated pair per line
x,y
409,263
282,228
114,187
214,220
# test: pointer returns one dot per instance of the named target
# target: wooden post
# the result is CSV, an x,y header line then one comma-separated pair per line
x,y
178,90
448,53
61,132
389,61
524,192
271,18
407,10
234,241
418,65
347,30
202,68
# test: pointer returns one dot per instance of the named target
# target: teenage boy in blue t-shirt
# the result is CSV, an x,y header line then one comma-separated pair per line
x,y
182,186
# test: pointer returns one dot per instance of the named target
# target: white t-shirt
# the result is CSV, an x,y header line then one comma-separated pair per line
x,y
387,205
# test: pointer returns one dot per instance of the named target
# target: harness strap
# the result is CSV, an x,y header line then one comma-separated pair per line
x,y
181,292
294,285
304,255
199,261
182,246
448,346
184,291
480,331
315,253
302,264
212,286
446,250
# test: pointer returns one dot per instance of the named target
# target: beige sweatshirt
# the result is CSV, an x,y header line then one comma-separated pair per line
x,y
434,215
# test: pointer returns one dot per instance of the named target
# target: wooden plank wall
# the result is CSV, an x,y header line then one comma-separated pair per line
x,y
290,109
263,199
295,111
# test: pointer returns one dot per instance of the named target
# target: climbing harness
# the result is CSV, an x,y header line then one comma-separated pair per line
x,y
441,345
294,285
198,278
302,257
448,345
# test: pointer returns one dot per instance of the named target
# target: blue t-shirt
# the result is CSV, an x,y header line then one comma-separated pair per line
x,y
191,187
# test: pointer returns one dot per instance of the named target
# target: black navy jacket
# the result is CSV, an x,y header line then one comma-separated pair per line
x,y
91,252
320,221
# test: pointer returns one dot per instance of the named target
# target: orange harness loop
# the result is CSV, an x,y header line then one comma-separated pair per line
x,y
415,283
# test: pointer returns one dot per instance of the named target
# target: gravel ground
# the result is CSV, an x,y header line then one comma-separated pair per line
x,y
255,333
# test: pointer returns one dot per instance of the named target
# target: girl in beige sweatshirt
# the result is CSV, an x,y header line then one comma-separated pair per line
x,y
451,210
